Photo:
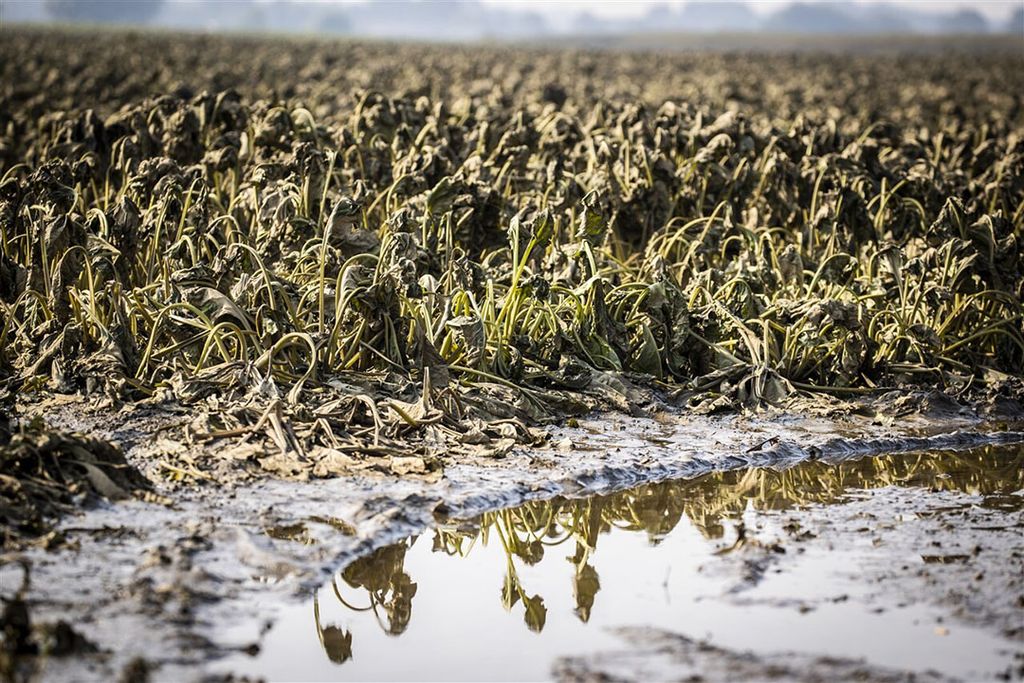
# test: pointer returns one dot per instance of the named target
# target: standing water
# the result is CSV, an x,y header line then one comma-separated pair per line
x,y
876,567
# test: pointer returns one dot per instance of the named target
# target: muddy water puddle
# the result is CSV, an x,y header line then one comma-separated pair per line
x,y
874,564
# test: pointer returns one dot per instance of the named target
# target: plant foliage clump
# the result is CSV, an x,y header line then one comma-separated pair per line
x,y
353,257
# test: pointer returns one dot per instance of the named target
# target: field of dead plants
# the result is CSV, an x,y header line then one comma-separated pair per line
x,y
230,260
341,252
345,251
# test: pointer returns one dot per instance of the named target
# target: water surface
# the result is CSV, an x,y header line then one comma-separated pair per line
x,y
501,597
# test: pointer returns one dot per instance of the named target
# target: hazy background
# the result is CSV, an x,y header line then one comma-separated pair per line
x,y
523,20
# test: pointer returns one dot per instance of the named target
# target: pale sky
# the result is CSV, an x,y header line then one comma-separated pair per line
x,y
998,10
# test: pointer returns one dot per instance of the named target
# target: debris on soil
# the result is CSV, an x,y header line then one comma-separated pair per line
x,y
45,473
657,655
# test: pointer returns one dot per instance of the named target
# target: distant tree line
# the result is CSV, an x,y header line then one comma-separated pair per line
x,y
104,11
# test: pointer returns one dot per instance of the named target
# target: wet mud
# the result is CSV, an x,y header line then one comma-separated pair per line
x,y
888,568
192,585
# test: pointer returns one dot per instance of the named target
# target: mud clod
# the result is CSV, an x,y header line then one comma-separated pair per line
x,y
47,473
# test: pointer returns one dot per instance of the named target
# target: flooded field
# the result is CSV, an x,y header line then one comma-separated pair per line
x,y
872,566
343,359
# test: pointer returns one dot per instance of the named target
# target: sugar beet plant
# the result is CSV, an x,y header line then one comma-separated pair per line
x,y
428,271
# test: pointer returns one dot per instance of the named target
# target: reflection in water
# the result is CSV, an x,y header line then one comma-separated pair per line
x,y
387,586
713,504
336,642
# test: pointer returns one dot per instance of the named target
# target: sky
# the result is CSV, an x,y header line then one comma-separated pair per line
x,y
998,10
560,16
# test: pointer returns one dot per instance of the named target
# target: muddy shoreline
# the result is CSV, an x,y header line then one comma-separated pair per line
x,y
174,575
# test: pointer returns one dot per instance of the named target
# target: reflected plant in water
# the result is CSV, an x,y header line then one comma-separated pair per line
x,y
336,642
710,503
518,541
536,614
585,583
389,590
383,576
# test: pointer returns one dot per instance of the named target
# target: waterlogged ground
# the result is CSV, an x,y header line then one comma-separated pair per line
x,y
882,567
863,545
289,303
